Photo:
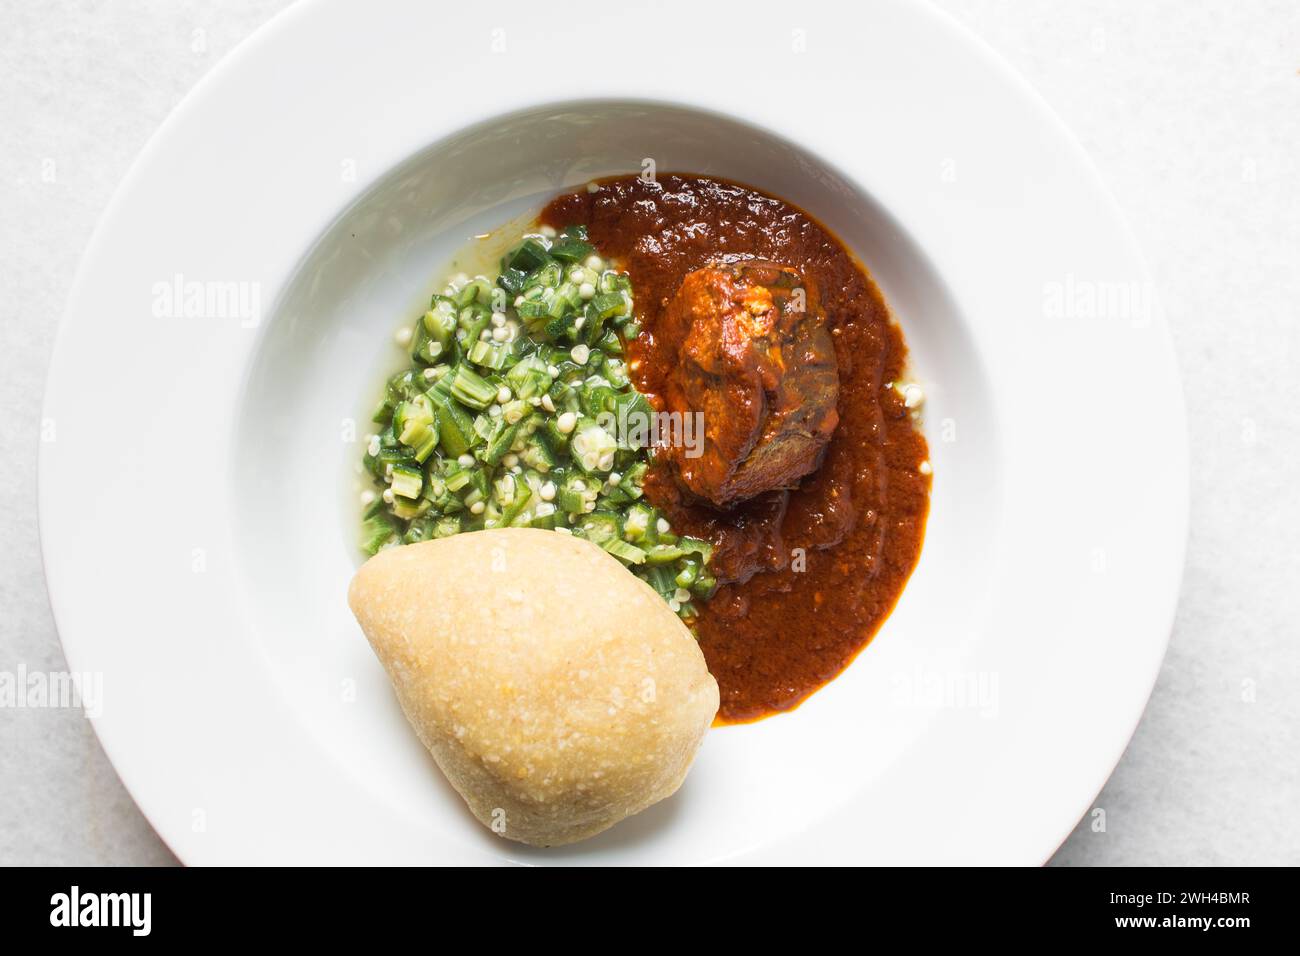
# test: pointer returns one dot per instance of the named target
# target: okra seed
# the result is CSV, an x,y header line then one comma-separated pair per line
x,y
503,394
547,491
566,422
476,508
587,290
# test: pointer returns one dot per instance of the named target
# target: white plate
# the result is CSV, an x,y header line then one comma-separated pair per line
x,y
196,502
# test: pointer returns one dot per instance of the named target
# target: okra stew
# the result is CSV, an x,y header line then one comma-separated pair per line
x,y
782,528
517,411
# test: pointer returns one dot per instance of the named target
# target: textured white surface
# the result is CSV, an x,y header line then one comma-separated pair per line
x,y
1191,111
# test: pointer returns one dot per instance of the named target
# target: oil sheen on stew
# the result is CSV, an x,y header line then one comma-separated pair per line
x,y
807,576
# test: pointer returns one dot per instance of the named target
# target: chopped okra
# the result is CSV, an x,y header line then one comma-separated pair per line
x,y
508,416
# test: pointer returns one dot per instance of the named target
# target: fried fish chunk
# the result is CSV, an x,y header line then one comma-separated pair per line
x,y
755,357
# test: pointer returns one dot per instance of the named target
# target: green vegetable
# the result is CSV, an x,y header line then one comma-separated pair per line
x,y
625,552
527,256
379,531
407,481
592,448
470,388
417,426
455,428
517,410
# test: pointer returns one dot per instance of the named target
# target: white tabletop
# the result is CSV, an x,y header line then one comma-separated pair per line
x,y
1191,110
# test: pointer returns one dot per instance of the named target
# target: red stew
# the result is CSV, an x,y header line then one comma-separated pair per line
x,y
807,576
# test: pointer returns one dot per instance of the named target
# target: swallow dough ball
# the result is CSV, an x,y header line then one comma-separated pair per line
x,y
557,691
